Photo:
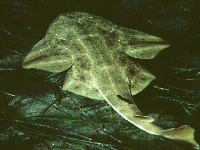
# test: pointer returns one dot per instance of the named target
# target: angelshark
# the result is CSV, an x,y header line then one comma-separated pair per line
x,y
98,56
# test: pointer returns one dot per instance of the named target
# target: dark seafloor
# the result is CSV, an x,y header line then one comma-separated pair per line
x,y
30,117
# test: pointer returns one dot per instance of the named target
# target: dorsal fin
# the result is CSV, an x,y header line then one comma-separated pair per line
x,y
144,118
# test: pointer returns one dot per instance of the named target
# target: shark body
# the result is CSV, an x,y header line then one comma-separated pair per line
x,y
98,54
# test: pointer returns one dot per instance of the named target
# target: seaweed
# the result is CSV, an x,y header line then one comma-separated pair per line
x,y
37,114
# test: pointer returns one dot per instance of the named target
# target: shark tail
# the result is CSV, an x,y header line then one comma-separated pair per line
x,y
184,133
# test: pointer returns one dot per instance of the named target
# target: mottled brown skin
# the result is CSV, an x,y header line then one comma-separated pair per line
x,y
98,55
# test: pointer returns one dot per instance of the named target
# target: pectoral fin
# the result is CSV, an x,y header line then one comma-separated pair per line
x,y
141,45
49,55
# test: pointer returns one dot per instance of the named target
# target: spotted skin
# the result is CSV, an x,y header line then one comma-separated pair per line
x,y
98,56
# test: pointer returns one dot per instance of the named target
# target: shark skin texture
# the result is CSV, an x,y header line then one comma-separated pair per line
x,y
98,56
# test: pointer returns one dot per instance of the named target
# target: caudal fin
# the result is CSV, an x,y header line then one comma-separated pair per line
x,y
184,133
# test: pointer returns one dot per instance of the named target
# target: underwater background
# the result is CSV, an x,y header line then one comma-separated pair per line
x,y
35,113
